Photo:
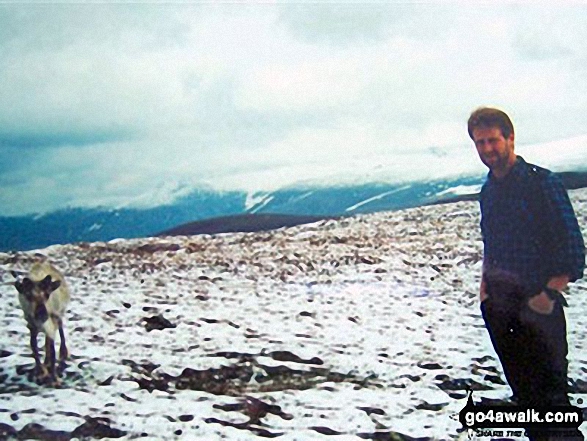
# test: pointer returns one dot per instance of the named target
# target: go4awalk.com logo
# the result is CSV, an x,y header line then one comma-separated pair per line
x,y
517,420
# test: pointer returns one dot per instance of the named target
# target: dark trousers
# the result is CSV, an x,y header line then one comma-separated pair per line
x,y
532,348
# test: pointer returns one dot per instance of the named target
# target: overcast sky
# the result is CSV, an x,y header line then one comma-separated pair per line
x,y
136,104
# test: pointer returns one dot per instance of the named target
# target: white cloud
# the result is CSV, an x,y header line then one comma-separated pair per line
x,y
136,104
305,86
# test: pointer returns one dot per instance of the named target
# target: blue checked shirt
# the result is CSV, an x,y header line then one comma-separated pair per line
x,y
518,240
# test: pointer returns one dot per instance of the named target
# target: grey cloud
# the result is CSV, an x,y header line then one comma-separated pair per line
x,y
74,74
536,48
31,138
551,33
338,23
341,23
52,27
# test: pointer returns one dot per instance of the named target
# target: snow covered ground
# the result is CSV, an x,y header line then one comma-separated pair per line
x,y
363,328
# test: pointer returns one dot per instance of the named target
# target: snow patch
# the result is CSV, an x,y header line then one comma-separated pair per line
x,y
95,227
460,190
255,201
376,198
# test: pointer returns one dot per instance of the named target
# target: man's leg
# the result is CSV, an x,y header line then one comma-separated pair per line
x,y
545,359
545,339
501,324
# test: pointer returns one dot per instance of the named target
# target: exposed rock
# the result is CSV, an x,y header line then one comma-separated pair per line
x,y
92,428
157,322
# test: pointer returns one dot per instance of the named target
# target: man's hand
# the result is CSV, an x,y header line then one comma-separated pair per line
x,y
558,282
541,303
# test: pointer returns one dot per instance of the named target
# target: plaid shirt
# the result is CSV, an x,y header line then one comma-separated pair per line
x,y
516,241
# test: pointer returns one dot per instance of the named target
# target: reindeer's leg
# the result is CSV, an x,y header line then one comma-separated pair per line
x,y
39,368
50,356
40,371
62,348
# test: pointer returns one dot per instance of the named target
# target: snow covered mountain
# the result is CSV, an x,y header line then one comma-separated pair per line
x,y
225,211
89,225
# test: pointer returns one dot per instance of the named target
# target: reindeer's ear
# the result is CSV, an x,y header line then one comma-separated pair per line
x,y
25,287
48,285
45,284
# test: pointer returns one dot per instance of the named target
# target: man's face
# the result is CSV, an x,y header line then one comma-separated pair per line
x,y
495,151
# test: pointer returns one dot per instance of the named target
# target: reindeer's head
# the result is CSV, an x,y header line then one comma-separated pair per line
x,y
36,294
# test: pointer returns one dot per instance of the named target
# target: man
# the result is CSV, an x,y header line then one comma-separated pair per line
x,y
533,248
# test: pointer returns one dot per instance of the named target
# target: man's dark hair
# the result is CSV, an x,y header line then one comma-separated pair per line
x,y
486,117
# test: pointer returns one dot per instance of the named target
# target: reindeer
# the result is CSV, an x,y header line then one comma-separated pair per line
x,y
43,297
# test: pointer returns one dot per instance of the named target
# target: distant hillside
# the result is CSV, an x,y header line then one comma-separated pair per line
x,y
72,225
571,181
245,223
574,180
205,211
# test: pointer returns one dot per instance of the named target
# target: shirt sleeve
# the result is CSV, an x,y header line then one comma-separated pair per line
x,y
568,255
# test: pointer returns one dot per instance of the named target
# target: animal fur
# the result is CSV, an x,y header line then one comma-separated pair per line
x,y
43,295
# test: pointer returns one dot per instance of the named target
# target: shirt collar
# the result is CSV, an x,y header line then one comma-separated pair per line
x,y
516,171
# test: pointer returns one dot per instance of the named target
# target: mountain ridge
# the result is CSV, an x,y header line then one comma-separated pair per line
x,y
207,211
